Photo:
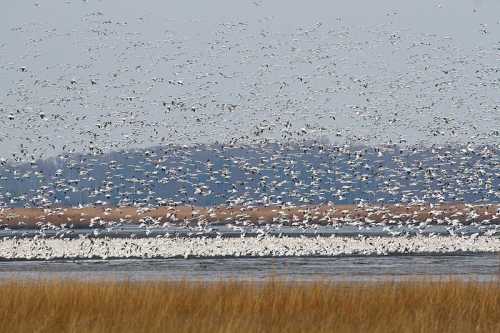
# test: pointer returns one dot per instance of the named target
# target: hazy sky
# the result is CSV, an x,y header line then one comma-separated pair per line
x,y
76,75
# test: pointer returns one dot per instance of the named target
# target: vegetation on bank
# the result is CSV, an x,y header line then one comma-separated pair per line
x,y
271,306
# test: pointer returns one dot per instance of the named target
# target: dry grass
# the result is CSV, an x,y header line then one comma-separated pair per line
x,y
71,306
82,217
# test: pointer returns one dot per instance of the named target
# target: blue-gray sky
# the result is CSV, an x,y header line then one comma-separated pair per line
x,y
76,75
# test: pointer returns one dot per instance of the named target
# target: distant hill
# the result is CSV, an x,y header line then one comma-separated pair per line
x,y
218,174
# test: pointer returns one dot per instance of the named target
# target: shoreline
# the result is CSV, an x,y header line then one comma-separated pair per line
x,y
287,215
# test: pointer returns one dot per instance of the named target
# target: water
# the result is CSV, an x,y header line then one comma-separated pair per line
x,y
483,267
346,230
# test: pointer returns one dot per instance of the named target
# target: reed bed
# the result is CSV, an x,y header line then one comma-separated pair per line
x,y
272,306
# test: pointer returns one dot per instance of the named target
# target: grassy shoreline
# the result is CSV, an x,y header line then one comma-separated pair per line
x,y
269,306
321,214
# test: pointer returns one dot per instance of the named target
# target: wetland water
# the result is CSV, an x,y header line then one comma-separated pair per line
x,y
478,267
225,231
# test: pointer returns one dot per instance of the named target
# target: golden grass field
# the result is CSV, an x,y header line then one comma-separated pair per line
x,y
273,306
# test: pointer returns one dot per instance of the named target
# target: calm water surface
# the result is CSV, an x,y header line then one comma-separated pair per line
x,y
483,267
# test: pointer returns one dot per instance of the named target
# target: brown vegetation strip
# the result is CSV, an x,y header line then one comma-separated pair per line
x,y
71,306
323,214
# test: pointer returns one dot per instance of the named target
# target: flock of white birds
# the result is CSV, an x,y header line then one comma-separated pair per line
x,y
265,246
126,105
232,175
102,77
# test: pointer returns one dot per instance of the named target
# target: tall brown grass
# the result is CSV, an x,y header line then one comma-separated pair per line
x,y
73,306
